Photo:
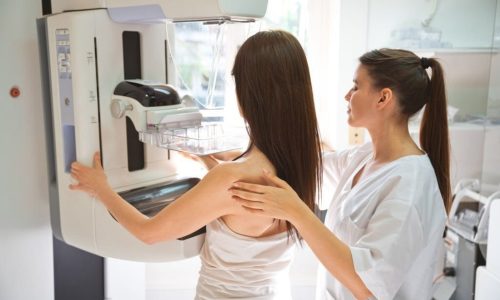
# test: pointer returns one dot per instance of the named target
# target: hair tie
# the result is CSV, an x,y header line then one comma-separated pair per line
x,y
425,62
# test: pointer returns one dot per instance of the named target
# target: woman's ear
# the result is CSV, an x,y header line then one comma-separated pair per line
x,y
386,97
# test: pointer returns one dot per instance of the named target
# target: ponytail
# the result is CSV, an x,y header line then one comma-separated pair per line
x,y
434,137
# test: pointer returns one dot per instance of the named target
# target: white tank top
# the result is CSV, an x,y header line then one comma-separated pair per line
x,y
238,266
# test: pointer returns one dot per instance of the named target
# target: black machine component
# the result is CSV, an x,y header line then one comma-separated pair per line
x,y
78,275
131,44
148,95
132,68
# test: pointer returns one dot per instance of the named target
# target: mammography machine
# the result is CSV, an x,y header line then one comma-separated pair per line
x,y
107,68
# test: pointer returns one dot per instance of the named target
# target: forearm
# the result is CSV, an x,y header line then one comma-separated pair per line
x,y
227,155
333,253
127,215
209,161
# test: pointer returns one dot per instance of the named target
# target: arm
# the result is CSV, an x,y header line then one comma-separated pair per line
x,y
205,202
227,155
212,160
282,202
208,161
185,215
326,147
335,256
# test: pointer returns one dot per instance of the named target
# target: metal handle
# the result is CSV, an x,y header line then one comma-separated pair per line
x,y
119,108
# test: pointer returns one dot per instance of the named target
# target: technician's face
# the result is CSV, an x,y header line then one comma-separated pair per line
x,y
361,99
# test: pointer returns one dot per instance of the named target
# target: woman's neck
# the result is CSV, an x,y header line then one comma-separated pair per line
x,y
255,156
392,141
252,152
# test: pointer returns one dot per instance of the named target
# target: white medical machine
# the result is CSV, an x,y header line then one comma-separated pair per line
x,y
107,68
488,277
468,237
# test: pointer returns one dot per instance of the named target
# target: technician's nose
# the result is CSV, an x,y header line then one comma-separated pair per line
x,y
347,96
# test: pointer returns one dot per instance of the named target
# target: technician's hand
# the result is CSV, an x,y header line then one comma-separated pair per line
x,y
90,180
279,201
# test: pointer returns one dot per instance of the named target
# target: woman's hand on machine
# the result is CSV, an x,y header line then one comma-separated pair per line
x,y
91,180
278,201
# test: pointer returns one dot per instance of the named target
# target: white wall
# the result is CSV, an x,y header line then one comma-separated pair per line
x,y
338,39
491,171
467,76
26,239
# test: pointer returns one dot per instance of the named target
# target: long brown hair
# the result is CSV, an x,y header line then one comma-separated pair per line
x,y
405,73
275,96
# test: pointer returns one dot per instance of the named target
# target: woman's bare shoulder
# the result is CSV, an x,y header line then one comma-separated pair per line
x,y
227,171
240,170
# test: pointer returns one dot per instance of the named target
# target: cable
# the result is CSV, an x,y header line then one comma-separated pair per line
x,y
214,70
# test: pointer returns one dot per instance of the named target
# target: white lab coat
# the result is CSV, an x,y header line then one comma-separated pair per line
x,y
392,220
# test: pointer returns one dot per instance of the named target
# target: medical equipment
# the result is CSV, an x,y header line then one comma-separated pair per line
x,y
488,277
467,236
96,55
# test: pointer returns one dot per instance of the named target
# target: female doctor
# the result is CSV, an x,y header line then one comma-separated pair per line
x,y
387,215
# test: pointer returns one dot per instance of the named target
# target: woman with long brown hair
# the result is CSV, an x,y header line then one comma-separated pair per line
x,y
388,209
244,255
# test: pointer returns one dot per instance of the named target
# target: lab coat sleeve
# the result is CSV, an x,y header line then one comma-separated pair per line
x,y
333,164
392,241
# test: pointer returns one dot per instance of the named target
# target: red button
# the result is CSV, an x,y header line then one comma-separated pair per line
x,y
15,92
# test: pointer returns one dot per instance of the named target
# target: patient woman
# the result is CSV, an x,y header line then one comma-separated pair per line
x,y
244,255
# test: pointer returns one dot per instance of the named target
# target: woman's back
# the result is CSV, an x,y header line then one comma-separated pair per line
x,y
249,168
245,255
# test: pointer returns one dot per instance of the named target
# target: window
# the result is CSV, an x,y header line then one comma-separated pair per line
x,y
204,55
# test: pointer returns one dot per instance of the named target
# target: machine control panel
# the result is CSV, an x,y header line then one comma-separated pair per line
x,y
66,95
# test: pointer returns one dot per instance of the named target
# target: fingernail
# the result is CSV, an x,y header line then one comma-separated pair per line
x,y
265,171
236,184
